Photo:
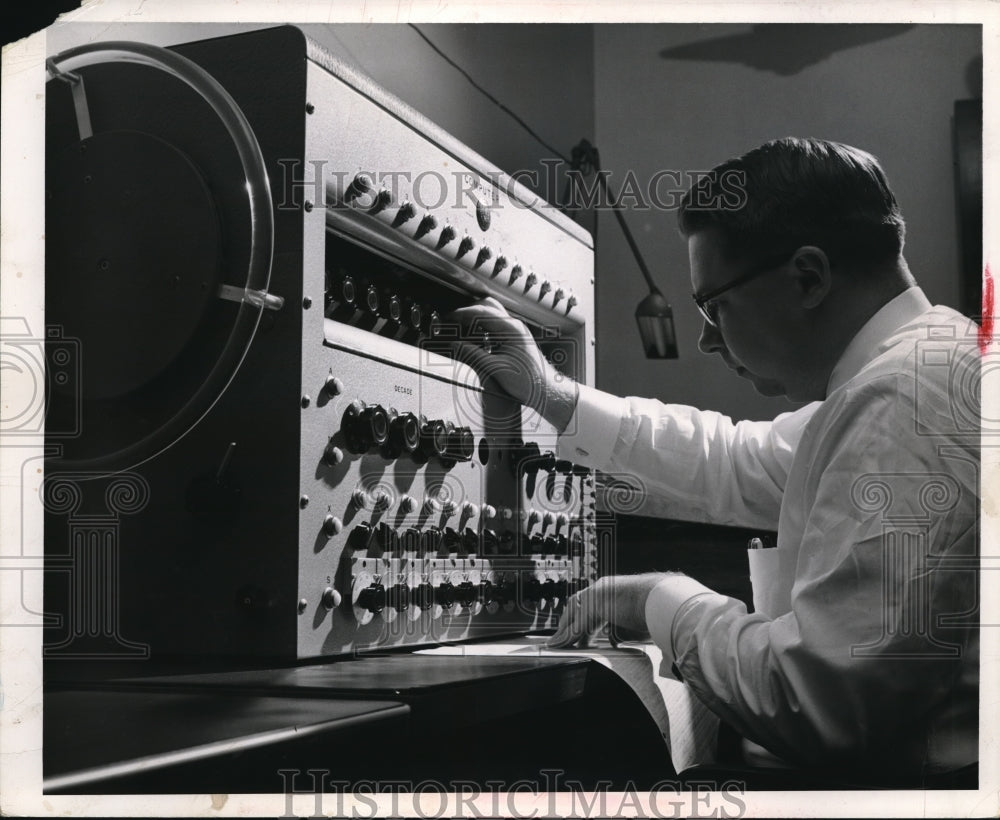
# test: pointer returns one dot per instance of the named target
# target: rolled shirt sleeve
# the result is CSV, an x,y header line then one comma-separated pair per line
x,y
686,463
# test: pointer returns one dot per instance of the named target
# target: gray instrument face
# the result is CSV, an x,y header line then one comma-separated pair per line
x,y
344,485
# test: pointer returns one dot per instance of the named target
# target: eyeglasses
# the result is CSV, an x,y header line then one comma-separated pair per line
x,y
709,308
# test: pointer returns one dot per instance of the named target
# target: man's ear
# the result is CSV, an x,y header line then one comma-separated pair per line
x,y
813,277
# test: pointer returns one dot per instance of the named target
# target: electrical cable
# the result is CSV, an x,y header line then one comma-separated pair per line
x,y
489,96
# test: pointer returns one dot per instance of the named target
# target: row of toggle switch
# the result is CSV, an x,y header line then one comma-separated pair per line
x,y
535,593
479,258
440,540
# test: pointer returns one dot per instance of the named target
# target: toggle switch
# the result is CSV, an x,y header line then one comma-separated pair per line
x,y
383,199
359,186
484,255
447,235
465,246
427,224
405,213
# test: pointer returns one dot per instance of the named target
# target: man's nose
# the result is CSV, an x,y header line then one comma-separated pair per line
x,y
710,340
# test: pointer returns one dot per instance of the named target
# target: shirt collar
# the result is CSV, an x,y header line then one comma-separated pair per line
x,y
864,346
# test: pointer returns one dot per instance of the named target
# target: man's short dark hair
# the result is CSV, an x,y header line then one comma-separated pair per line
x,y
793,192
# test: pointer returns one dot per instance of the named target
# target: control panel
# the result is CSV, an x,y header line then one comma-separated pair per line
x,y
319,473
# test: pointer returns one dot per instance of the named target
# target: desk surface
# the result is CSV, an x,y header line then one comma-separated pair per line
x,y
92,737
142,730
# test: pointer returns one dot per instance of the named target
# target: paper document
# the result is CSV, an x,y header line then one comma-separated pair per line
x,y
689,730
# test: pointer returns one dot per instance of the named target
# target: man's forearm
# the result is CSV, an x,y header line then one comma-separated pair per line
x,y
559,402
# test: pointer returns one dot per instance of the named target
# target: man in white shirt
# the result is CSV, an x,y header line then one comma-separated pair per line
x,y
862,650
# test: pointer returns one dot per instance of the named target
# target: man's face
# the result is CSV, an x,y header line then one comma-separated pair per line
x,y
756,320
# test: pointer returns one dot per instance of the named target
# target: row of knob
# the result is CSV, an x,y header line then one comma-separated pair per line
x,y
382,200
469,541
372,427
534,593
402,311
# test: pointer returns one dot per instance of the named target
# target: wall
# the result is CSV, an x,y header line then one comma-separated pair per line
x,y
724,89
544,73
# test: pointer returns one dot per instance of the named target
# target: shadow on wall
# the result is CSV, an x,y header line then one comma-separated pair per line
x,y
783,49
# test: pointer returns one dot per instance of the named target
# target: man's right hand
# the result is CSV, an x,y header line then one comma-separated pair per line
x,y
510,357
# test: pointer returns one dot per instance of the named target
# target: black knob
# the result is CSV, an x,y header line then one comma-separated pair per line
x,y
386,538
409,539
359,537
434,439
461,444
537,543
491,542
427,224
372,598
430,539
548,590
423,596
348,291
433,324
532,590
515,273
398,597
564,467
484,255
365,427
561,590
404,434
499,265
451,541
444,594
371,299
470,541
466,593
416,315
504,590
395,309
